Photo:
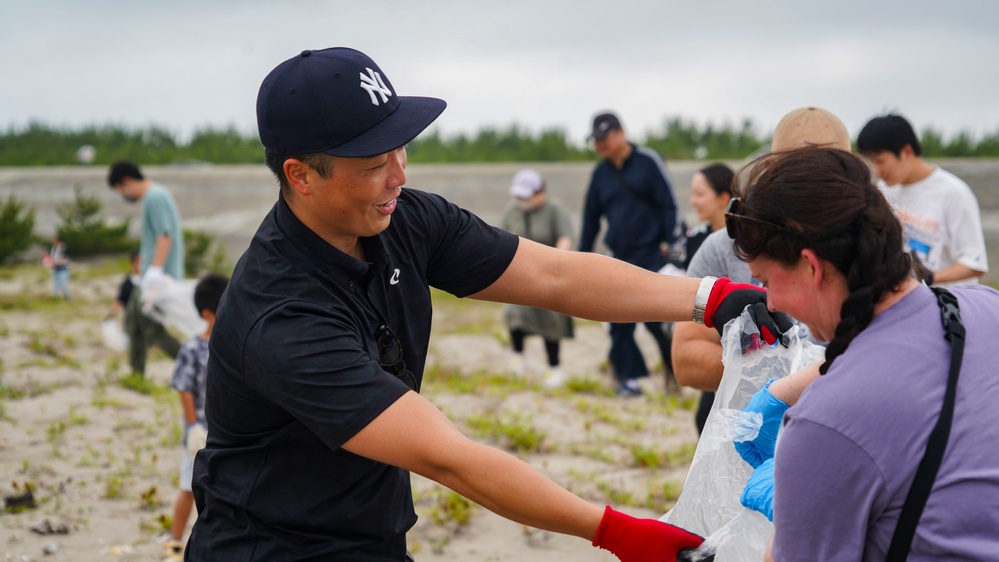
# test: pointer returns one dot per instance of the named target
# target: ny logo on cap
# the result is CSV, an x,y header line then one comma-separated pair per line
x,y
373,83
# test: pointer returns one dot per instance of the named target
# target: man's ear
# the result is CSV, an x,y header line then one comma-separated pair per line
x,y
298,175
907,153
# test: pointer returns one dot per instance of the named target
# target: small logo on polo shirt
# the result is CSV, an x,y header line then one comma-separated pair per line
x,y
373,83
395,277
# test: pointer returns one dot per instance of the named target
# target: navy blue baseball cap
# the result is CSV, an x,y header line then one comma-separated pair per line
x,y
337,101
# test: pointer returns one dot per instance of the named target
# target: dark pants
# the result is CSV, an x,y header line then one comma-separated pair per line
x,y
551,346
703,409
143,332
625,356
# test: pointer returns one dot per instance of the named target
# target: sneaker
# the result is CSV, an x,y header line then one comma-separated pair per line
x,y
554,377
173,548
629,389
518,364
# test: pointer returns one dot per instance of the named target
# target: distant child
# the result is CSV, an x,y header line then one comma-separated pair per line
x,y
58,260
189,378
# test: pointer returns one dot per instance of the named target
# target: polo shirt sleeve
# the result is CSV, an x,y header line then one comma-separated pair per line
x,y
825,489
309,360
464,255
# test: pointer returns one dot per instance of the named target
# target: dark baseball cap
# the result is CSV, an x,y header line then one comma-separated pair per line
x,y
603,124
339,102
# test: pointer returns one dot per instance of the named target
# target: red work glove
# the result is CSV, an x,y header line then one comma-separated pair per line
x,y
727,301
642,540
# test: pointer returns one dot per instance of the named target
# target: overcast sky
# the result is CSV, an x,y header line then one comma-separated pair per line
x,y
187,64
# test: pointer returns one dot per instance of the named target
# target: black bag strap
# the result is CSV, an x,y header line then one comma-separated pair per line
x,y
915,501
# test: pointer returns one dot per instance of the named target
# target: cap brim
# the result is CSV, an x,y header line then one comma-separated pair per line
x,y
413,115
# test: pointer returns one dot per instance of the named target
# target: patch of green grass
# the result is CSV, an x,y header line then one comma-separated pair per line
x,y
102,401
617,496
671,403
514,433
598,411
479,382
647,456
128,424
37,345
114,485
142,385
451,509
160,524
149,500
31,270
609,414
595,452
104,266
663,496
586,385
76,417
48,363
682,455
90,458
56,432
34,303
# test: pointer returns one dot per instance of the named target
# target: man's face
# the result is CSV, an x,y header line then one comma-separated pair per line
x,y
893,170
610,144
128,188
359,197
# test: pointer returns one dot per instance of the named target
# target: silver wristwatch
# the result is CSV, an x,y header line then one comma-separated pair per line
x,y
701,298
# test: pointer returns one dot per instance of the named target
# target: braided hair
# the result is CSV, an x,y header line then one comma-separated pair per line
x,y
823,199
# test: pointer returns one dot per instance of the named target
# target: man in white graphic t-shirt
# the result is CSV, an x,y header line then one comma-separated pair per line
x,y
939,212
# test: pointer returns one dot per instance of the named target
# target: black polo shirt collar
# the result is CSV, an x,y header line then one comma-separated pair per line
x,y
316,255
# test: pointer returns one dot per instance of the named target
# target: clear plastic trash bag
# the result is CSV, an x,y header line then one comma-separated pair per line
x,y
709,504
171,303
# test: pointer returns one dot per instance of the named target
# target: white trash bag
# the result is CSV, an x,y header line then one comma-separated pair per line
x,y
171,302
709,504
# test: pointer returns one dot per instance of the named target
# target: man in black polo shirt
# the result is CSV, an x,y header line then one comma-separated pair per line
x,y
314,416
632,189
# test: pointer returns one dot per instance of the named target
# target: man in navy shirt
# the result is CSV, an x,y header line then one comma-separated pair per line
x,y
314,414
632,189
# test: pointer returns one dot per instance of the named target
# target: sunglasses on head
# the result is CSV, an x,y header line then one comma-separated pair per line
x,y
390,356
733,216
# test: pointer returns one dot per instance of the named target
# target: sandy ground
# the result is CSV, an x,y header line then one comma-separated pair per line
x,y
101,459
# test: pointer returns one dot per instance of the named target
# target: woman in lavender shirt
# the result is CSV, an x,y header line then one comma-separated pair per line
x,y
826,245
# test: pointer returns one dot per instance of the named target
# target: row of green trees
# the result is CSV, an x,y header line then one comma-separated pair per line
x,y
86,233
42,145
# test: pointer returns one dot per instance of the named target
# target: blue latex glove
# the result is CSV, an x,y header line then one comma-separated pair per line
x,y
759,491
762,448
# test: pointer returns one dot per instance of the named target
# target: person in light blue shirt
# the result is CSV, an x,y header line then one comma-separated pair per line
x,y
161,253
